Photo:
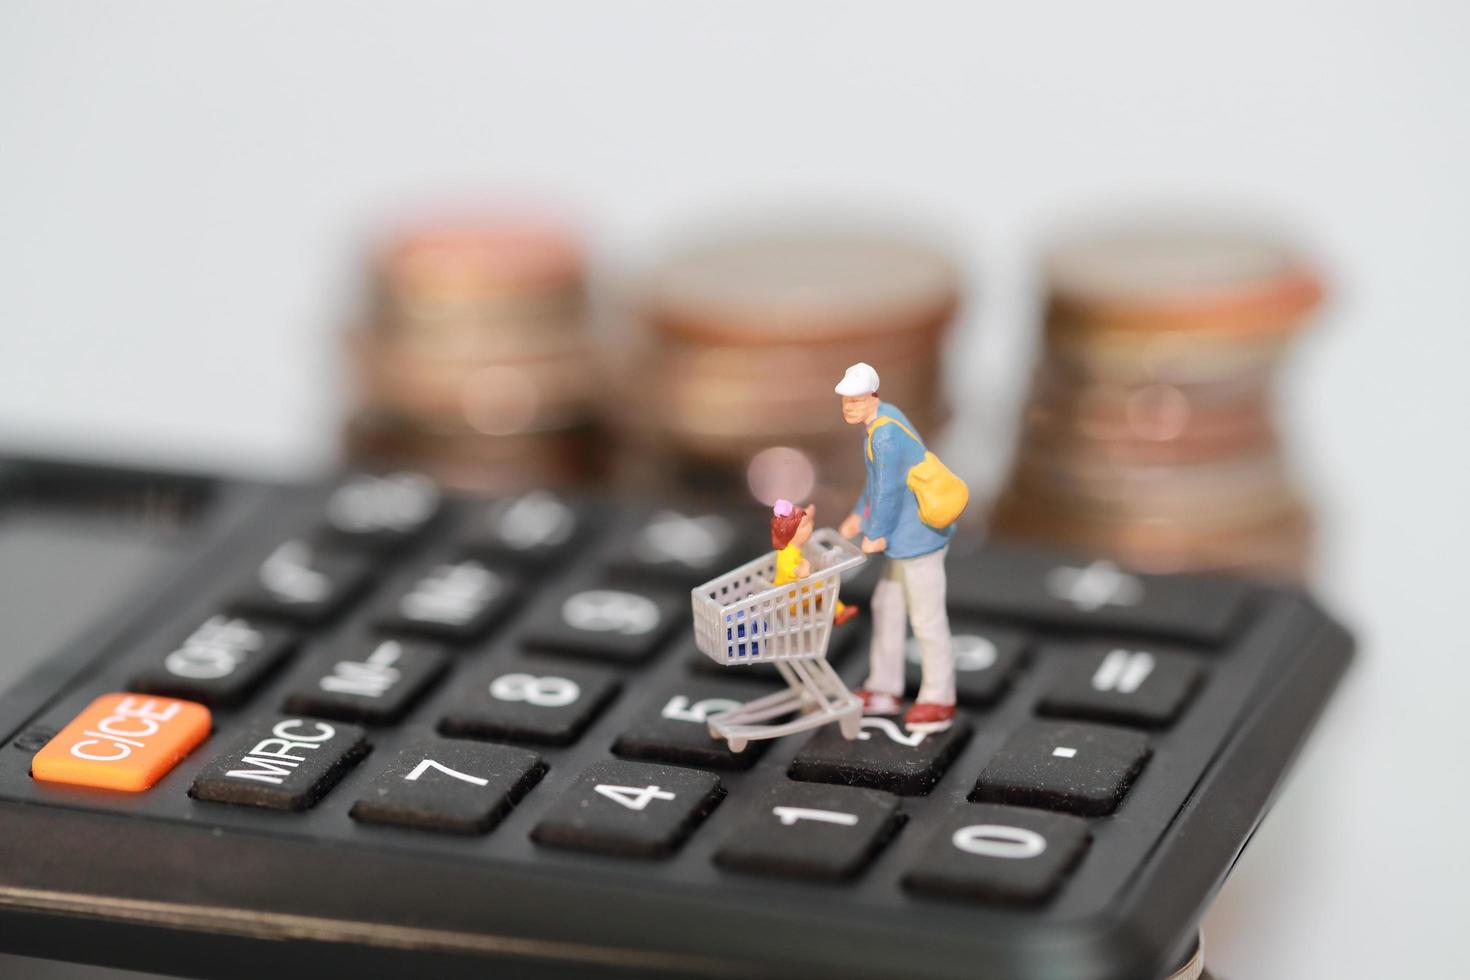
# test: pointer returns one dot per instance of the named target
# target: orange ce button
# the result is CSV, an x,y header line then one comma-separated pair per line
x,y
124,742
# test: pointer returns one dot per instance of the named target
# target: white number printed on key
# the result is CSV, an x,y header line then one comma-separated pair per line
x,y
1099,584
428,764
887,727
608,611
632,797
287,574
368,503
999,841
971,652
679,708
789,815
542,692
692,541
536,520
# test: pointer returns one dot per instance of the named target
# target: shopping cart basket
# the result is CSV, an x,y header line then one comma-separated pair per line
x,y
741,618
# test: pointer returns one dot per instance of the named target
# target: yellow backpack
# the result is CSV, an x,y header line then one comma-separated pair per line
x,y
942,496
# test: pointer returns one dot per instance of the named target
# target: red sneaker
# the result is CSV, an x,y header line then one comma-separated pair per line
x,y
877,704
845,614
925,716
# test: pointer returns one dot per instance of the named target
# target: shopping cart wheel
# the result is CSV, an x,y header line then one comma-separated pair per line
x,y
850,725
737,745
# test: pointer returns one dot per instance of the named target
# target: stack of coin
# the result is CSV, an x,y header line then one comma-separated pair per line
x,y
1149,434
473,362
746,338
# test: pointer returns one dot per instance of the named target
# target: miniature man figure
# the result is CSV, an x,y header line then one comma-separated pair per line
x,y
888,515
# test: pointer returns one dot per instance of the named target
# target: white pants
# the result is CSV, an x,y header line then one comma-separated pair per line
x,y
915,586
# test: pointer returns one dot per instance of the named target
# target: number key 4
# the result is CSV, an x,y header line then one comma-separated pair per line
x,y
629,808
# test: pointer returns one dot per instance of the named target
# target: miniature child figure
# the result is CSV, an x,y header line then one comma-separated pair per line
x,y
907,511
791,529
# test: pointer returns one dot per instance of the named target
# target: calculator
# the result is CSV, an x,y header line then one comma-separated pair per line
x,y
370,728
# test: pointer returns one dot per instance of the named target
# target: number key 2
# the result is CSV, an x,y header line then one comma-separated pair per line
x,y
630,808
883,756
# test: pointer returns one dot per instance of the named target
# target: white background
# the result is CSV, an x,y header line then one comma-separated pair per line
x,y
184,188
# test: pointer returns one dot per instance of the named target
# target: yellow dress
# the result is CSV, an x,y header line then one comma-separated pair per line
x,y
788,559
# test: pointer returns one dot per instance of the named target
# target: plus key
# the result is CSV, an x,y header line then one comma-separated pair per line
x,y
1053,589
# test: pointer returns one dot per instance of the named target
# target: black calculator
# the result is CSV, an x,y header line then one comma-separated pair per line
x,y
369,728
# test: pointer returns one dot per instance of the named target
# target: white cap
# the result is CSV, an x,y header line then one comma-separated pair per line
x,y
860,379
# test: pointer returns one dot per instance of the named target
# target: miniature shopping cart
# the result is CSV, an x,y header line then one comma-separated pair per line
x,y
742,618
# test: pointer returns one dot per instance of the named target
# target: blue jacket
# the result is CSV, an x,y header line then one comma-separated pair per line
x,y
888,507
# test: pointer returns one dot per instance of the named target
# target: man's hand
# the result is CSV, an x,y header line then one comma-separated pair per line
x,y
850,526
870,546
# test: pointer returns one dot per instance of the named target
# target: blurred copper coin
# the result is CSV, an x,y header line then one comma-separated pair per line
x,y
811,287
496,396
1180,275
467,257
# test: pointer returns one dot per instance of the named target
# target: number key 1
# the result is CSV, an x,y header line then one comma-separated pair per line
x,y
808,831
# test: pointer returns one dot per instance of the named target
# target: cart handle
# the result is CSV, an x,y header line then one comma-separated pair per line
x,y
833,552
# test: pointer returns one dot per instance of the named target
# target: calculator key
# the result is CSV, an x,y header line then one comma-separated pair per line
x,y
455,601
610,624
281,763
630,808
122,741
685,549
1001,854
1095,595
373,682
883,756
984,658
304,584
535,529
382,511
450,786
220,662
1122,683
808,831
1069,766
673,726
529,700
